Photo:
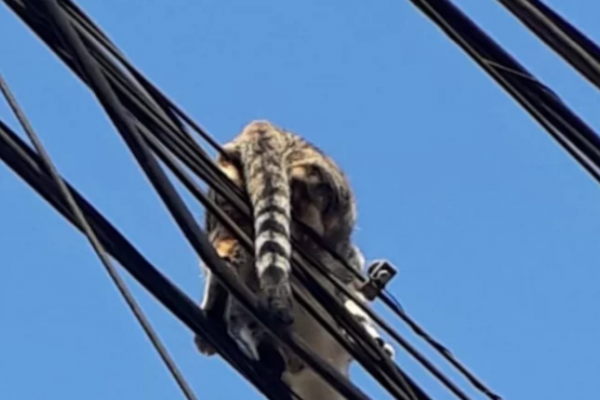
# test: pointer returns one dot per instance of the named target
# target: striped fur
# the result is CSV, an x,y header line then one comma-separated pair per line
x,y
283,175
261,150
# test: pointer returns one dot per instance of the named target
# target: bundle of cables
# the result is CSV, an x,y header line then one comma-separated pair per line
x,y
157,131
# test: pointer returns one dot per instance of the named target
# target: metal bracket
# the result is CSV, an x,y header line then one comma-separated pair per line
x,y
379,273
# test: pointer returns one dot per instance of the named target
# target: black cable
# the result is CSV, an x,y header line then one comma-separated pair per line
x,y
177,207
563,125
19,157
386,298
309,285
542,104
69,63
154,92
151,88
163,126
565,39
97,246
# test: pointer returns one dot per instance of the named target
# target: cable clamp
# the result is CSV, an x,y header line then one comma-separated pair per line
x,y
379,274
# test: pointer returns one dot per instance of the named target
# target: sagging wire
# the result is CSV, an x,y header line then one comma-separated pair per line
x,y
26,163
177,207
264,386
95,243
176,111
568,129
565,39
387,298
245,241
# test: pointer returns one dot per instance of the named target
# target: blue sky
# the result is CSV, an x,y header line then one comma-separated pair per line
x,y
493,226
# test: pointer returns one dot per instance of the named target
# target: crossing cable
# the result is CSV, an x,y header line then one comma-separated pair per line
x,y
177,207
570,131
149,279
564,38
573,148
395,336
87,26
212,208
27,164
97,246
408,392
359,303
576,137
63,53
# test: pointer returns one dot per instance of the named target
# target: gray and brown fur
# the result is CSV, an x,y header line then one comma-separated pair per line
x,y
283,175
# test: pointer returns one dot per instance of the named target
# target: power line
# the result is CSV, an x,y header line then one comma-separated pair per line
x,y
87,25
566,127
155,113
97,246
565,39
27,164
176,206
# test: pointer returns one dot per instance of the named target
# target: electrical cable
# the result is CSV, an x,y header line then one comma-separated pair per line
x,y
211,207
243,208
564,126
177,207
561,36
19,157
386,297
576,137
131,71
97,246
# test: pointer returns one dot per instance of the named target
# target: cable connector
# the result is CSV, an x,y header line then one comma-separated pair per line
x,y
379,273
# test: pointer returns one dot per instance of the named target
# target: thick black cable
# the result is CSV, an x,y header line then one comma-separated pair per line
x,y
21,159
565,39
44,32
564,142
178,110
163,127
545,107
429,366
338,310
386,298
87,25
177,207
576,137
97,246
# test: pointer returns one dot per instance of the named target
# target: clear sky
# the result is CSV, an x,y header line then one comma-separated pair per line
x,y
493,226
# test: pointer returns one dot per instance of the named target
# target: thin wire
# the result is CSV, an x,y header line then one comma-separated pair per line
x,y
151,89
91,30
97,246
179,112
388,299
333,306
178,209
577,49
26,163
